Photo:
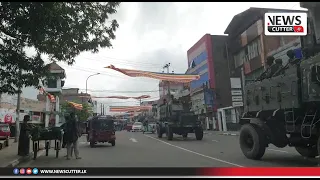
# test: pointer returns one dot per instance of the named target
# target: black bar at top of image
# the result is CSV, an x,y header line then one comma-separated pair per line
x,y
98,171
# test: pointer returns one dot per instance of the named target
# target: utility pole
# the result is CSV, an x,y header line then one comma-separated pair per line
x,y
167,66
16,139
101,109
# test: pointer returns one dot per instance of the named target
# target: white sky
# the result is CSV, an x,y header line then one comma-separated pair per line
x,y
150,35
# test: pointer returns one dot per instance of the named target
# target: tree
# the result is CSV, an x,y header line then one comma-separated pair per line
x,y
60,30
82,115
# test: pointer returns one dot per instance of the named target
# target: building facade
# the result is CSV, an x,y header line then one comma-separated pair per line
x,y
248,47
208,59
8,106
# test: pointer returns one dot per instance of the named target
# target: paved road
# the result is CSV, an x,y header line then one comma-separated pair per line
x,y
134,149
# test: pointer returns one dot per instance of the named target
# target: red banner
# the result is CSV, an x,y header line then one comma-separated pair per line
x,y
181,78
312,171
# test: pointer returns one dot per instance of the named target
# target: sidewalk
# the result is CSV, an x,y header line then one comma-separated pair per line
x,y
9,155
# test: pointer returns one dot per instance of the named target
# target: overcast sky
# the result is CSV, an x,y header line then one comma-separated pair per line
x,y
150,35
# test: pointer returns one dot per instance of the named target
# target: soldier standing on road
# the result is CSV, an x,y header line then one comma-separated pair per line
x,y
72,136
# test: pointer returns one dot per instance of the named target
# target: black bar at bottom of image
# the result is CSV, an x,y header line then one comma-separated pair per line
x,y
98,171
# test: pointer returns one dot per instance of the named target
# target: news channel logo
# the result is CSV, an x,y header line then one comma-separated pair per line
x,y
23,171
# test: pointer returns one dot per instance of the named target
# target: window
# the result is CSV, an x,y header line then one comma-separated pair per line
x,y
249,52
254,49
52,83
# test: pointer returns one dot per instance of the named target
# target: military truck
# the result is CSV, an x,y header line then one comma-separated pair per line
x,y
282,107
175,119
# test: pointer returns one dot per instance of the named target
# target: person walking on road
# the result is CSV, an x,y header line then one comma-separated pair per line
x,y
72,135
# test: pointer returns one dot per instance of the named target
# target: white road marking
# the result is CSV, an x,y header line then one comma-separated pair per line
x,y
187,150
133,140
278,150
215,140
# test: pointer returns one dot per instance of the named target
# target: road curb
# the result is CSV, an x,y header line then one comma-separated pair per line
x,y
22,159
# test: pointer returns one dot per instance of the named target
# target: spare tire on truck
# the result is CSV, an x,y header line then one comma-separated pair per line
x,y
252,141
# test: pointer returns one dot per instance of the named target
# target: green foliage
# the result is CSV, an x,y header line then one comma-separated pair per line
x,y
61,30
83,114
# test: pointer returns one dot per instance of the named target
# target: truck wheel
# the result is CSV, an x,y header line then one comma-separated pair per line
x,y
199,133
159,132
252,141
169,133
309,152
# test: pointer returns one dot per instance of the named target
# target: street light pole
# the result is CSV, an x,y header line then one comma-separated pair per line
x,y
87,81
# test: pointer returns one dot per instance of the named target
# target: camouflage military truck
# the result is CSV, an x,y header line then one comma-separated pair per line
x,y
174,119
282,107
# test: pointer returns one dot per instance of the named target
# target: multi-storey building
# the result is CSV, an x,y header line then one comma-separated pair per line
x,y
207,58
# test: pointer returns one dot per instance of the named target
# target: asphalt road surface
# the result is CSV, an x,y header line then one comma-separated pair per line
x,y
134,149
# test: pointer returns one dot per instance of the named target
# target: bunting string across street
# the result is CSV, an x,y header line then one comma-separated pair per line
x,y
50,96
120,97
181,78
129,108
75,105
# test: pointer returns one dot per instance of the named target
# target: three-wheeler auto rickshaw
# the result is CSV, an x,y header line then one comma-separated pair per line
x,y
101,130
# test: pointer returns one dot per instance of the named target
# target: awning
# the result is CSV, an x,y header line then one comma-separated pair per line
x,y
182,78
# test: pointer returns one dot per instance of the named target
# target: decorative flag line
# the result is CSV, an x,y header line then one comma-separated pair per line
x,y
75,105
50,96
181,78
120,97
129,108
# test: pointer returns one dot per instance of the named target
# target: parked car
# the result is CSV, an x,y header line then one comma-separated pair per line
x,y
4,135
137,126
4,131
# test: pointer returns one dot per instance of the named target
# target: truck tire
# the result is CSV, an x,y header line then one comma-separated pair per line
x,y
169,133
199,133
252,141
309,152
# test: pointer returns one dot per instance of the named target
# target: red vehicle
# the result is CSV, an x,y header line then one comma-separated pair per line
x,y
128,127
5,133
101,130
